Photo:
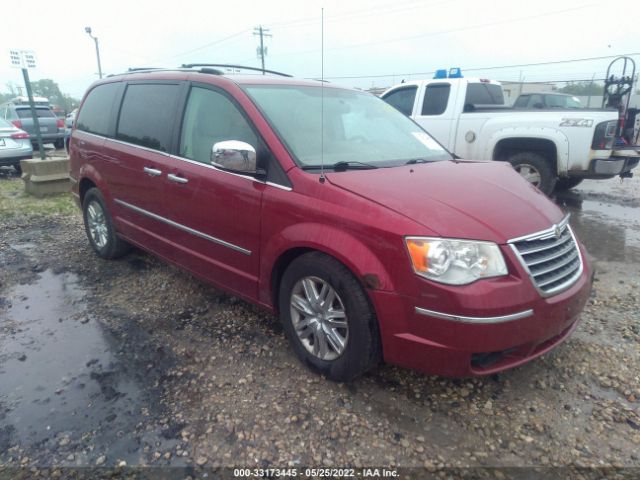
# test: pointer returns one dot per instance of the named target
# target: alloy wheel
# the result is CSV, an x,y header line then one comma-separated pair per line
x,y
97,223
319,318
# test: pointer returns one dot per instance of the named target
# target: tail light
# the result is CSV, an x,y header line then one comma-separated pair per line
x,y
604,135
19,135
60,123
17,123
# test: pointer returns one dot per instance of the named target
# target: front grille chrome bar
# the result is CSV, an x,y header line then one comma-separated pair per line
x,y
551,258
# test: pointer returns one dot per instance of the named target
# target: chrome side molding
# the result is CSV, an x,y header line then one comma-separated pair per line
x,y
464,319
184,228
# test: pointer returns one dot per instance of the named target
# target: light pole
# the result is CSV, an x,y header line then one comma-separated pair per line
x,y
95,39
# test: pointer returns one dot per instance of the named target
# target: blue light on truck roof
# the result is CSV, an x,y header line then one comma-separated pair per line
x,y
454,72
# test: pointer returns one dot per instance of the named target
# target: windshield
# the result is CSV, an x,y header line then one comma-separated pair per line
x,y
358,127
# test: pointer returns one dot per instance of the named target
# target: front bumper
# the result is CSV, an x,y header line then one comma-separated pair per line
x,y
481,338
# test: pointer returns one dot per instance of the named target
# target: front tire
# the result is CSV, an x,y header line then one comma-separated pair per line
x,y
327,317
99,227
536,169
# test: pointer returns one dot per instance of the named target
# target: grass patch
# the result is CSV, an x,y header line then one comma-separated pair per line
x,y
15,202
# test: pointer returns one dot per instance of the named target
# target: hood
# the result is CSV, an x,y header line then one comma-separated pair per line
x,y
457,199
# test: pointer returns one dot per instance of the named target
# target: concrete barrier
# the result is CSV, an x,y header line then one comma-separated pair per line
x,y
46,177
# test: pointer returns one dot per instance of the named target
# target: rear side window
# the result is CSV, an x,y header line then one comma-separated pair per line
x,y
521,102
402,99
536,101
95,114
147,116
484,94
436,99
41,112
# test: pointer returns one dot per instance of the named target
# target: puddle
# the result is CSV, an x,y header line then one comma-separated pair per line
x,y
64,374
611,232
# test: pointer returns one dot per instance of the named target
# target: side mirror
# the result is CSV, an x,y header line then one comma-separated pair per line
x,y
235,156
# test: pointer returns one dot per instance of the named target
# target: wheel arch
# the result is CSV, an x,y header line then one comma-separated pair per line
x,y
364,265
89,177
552,144
84,186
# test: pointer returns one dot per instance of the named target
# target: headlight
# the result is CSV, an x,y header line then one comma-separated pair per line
x,y
455,262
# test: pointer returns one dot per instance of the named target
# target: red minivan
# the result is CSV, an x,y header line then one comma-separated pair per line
x,y
327,206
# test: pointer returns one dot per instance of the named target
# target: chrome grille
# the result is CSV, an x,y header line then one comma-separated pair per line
x,y
551,257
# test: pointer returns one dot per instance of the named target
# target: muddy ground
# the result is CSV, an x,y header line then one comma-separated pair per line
x,y
132,362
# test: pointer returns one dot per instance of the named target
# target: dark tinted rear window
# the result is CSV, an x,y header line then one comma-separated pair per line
x,y
41,112
436,98
402,99
147,116
484,94
95,114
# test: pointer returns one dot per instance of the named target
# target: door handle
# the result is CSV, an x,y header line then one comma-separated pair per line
x,y
177,179
154,172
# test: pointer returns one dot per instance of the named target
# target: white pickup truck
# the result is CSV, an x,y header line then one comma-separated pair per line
x,y
551,148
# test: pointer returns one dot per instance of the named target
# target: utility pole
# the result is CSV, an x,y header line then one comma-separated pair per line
x,y
589,90
262,50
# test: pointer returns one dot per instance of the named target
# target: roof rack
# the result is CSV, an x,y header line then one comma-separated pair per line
x,y
145,69
192,65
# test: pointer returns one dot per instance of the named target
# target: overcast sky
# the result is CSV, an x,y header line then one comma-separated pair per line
x,y
361,38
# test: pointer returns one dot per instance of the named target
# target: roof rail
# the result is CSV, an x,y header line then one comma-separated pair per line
x,y
192,65
143,69
164,69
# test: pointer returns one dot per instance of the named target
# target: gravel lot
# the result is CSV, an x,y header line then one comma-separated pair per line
x,y
134,362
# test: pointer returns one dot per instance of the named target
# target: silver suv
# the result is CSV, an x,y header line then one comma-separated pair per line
x,y
18,112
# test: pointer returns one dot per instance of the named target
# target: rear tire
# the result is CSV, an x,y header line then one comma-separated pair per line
x,y
536,169
335,334
99,227
567,183
59,144
18,168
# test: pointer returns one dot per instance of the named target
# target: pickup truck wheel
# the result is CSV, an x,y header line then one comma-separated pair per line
x,y
327,317
567,183
535,169
99,227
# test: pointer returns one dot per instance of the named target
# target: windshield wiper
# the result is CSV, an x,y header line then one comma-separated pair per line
x,y
351,165
413,161
342,166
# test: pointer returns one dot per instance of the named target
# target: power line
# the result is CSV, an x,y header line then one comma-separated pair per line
x,y
442,32
202,47
370,10
475,69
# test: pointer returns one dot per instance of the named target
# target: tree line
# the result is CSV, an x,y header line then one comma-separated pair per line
x,y
43,88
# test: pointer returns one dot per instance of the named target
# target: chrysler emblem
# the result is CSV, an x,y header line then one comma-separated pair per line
x,y
557,231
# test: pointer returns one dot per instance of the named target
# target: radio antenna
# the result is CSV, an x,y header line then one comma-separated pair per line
x,y
322,95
